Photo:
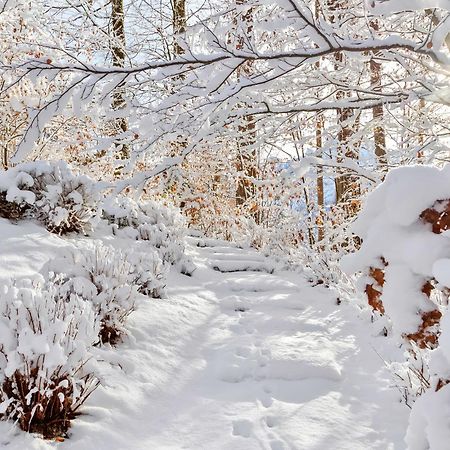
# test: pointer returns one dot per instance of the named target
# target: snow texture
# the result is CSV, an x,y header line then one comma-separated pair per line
x,y
390,227
239,360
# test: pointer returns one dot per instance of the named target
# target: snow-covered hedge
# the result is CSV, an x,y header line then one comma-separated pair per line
x,y
46,370
51,193
404,261
161,226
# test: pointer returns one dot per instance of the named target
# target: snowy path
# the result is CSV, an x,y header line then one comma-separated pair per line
x,y
239,360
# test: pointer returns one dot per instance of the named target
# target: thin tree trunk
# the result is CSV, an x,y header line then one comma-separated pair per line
x,y
421,134
379,135
118,60
319,152
179,24
346,185
320,189
247,157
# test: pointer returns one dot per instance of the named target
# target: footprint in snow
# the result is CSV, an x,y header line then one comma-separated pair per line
x,y
277,445
266,400
271,421
234,373
242,428
243,352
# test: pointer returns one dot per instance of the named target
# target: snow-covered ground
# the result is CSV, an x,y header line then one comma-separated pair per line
x,y
234,360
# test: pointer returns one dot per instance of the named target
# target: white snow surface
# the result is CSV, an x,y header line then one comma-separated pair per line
x,y
229,360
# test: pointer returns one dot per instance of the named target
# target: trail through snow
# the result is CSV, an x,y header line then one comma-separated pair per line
x,y
239,360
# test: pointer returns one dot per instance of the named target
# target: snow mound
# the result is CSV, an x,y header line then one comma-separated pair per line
x,y
405,264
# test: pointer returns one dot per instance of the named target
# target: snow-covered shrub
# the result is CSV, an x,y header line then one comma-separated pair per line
x,y
150,271
161,226
112,281
46,371
429,420
49,192
412,376
104,278
400,250
404,261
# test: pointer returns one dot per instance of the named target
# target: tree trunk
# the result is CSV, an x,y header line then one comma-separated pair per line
x,y
118,60
377,111
179,24
320,189
347,187
247,157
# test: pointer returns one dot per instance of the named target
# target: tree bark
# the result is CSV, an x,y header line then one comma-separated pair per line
x,y
379,135
247,156
347,187
118,59
319,186
179,23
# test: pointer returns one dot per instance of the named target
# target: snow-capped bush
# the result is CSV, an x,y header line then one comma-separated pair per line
x,y
400,249
429,421
46,370
112,281
161,226
105,279
150,271
51,193
405,264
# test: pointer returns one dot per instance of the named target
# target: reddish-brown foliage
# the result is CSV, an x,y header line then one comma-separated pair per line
x,y
373,297
438,216
108,333
374,294
427,333
441,383
46,415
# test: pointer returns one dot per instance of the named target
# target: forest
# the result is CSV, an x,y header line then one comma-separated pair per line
x,y
225,225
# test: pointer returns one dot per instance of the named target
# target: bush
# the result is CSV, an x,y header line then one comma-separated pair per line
x,y
150,271
102,277
45,360
149,221
404,262
112,281
51,193
400,247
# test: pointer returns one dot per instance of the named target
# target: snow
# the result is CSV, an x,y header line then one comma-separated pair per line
x,y
26,248
441,271
391,228
239,360
412,255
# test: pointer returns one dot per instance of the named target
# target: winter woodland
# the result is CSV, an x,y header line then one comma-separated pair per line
x,y
225,225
